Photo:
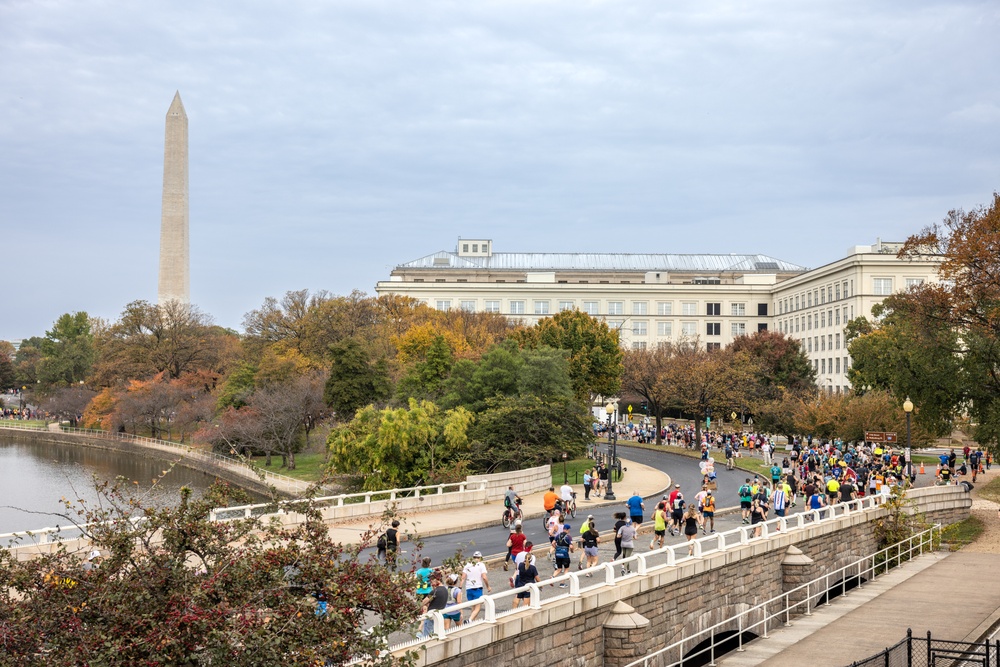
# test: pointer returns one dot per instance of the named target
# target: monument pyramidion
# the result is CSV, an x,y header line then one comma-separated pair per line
x,y
175,280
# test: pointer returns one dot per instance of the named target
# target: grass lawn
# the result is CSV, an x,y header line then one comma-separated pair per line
x,y
574,471
991,491
308,466
30,423
957,535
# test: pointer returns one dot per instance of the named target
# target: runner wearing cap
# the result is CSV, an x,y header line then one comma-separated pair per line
x,y
473,579
584,527
563,548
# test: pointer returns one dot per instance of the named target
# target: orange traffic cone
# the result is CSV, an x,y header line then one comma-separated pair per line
x,y
922,472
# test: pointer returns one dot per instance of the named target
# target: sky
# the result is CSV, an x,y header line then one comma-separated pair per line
x,y
332,140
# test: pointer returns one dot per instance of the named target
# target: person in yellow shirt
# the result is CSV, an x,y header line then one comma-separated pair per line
x,y
832,491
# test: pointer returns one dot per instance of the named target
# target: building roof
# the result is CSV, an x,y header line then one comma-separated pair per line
x,y
555,261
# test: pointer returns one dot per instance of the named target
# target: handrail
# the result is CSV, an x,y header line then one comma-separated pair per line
x,y
364,496
609,574
923,539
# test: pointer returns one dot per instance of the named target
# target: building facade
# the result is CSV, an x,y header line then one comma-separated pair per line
x,y
656,298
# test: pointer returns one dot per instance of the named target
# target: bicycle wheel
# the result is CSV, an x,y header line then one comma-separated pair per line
x,y
572,509
545,521
505,520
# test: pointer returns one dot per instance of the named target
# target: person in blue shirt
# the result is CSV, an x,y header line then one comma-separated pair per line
x,y
635,507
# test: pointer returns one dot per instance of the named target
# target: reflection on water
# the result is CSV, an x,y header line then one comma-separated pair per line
x,y
34,477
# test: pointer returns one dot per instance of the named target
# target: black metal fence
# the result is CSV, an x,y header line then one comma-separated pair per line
x,y
929,652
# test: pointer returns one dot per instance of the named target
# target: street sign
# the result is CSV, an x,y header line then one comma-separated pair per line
x,y
630,408
733,416
880,436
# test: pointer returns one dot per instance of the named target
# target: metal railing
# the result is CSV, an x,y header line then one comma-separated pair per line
x,y
929,652
340,500
781,608
245,468
497,605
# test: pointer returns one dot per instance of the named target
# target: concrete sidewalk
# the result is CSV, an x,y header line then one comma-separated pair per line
x,y
647,481
954,595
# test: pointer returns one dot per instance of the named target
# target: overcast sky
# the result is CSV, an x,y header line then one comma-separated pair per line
x,y
332,140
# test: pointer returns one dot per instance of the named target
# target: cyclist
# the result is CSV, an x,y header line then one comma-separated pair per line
x,y
512,501
566,495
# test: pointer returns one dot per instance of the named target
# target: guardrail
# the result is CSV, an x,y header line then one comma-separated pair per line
x,y
281,482
340,500
497,605
757,619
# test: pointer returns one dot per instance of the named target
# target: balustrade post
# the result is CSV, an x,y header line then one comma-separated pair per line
x,y
490,608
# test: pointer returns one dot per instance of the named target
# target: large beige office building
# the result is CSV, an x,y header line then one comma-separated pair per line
x,y
653,298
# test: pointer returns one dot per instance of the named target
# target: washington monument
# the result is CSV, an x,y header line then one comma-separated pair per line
x,y
175,280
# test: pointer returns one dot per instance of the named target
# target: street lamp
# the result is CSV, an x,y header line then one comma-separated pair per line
x,y
565,474
611,408
908,408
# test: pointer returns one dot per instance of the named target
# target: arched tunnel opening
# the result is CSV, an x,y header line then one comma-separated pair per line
x,y
840,588
725,642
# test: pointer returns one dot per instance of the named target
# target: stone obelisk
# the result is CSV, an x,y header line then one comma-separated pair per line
x,y
175,281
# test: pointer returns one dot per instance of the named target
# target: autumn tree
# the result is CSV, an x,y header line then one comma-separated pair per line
x,y
595,356
8,374
175,588
148,339
645,374
782,364
68,403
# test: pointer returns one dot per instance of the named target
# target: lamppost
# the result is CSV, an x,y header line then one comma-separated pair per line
x,y
611,408
908,408
565,474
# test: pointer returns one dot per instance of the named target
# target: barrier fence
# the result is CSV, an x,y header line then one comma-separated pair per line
x,y
929,652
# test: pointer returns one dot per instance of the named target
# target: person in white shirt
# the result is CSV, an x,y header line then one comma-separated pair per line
x,y
566,494
473,579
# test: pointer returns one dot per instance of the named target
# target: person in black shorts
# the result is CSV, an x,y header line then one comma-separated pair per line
x,y
677,514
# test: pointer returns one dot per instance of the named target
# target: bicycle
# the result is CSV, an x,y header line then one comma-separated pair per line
x,y
571,506
511,514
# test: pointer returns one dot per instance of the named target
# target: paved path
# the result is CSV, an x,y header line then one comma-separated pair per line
x,y
954,595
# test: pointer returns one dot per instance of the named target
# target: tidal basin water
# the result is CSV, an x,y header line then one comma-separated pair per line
x,y
34,477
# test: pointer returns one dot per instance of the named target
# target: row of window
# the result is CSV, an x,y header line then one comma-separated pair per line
x,y
830,365
820,320
823,343
688,329
832,292
541,307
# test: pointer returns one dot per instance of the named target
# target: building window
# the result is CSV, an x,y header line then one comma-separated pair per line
x,y
475,247
738,309
762,326
465,247
796,325
761,310
822,319
829,341
664,308
837,291
615,325
639,328
822,366
822,295
638,345
640,308
517,308
809,299
541,308
565,305
664,329
713,329
688,329
739,329
822,343
809,344
836,339
713,347
689,308
714,309
444,304
492,306
796,303
469,306
809,322
914,282
838,364
591,307
616,307
882,286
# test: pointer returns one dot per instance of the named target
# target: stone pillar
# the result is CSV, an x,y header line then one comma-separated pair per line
x,y
626,636
797,569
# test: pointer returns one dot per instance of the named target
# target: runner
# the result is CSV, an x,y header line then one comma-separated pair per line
x,y
473,579
591,542
746,496
563,549
635,508
659,525
691,527
627,536
708,513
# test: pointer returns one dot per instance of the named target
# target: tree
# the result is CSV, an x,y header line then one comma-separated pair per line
x,y
967,299
354,380
782,363
400,447
427,376
149,339
516,432
8,374
67,351
27,361
595,356
645,374
176,588
68,402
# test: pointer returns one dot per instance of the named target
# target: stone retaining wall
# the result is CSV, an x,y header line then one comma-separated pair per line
x,y
677,601
531,480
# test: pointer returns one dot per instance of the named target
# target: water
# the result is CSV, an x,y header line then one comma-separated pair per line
x,y
34,477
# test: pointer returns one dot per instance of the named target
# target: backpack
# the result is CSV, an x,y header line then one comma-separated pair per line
x,y
382,543
744,491
562,546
